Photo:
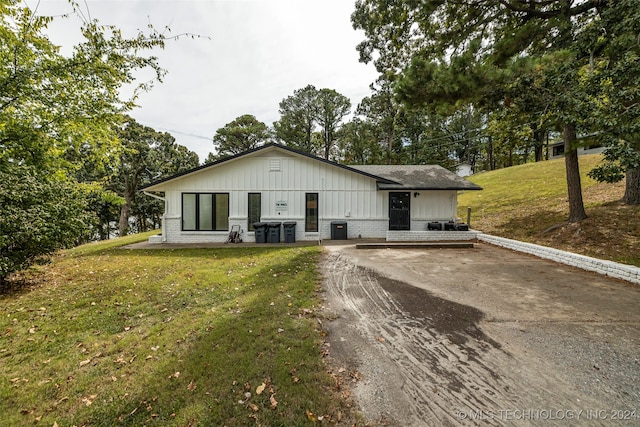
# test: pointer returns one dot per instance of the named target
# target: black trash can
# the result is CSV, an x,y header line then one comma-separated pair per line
x,y
260,229
289,232
434,226
462,227
273,232
449,226
338,230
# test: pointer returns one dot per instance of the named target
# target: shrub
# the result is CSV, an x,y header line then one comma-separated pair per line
x,y
39,214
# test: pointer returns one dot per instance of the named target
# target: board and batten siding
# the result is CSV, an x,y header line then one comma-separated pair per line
x,y
342,193
283,179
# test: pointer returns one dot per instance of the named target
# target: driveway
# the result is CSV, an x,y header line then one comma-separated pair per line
x,y
484,335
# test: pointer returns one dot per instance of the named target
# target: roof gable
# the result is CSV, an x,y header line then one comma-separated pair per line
x,y
262,150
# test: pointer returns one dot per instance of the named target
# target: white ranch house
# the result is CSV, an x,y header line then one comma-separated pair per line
x,y
276,184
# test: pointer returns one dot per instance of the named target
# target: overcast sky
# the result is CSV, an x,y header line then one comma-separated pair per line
x,y
253,53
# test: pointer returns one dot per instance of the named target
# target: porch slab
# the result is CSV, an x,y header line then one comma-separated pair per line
x,y
414,245
430,236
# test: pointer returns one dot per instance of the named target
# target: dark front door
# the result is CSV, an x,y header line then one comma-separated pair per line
x,y
399,211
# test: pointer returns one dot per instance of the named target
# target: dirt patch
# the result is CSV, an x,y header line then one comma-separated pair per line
x,y
425,344
457,321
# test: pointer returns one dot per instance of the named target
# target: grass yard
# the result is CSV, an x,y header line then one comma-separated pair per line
x,y
105,336
529,203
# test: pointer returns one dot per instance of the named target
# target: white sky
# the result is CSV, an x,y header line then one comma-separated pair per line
x,y
258,53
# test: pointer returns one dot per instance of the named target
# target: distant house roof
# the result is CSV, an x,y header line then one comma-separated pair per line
x,y
425,177
417,177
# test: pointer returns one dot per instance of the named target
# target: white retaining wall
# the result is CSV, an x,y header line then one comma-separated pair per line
x,y
608,268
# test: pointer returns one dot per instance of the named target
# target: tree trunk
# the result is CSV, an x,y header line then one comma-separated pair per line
x,y
538,137
125,211
490,153
574,186
632,187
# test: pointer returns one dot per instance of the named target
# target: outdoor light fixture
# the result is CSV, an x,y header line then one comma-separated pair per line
x,y
416,194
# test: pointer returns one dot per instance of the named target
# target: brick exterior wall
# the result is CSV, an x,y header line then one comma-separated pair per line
x,y
430,236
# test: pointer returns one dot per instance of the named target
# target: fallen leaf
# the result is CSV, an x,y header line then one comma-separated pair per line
x,y
380,339
191,386
253,407
260,388
32,330
273,401
88,400
175,375
311,416
85,362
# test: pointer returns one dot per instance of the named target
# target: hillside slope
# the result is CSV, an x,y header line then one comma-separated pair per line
x,y
529,203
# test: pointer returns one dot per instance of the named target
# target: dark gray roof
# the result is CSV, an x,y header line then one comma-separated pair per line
x,y
417,177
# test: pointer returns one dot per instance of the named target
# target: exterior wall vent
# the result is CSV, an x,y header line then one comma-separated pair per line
x,y
274,165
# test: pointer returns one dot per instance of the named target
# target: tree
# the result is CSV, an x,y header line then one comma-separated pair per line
x,y
39,214
380,110
166,158
242,134
615,71
53,110
308,109
332,107
297,122
146,155
358,144
461,47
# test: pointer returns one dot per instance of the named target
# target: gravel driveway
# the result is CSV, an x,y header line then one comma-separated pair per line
x,y
436,337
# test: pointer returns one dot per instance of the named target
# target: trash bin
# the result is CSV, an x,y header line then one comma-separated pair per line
x,y
260,229
462,227
273,232
338,230
449,226
434,226
289,232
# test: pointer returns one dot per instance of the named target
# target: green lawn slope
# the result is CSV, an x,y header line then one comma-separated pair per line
x,y
529,203
106,336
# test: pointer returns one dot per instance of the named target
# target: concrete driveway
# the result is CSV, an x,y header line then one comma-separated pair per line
x,y
482,335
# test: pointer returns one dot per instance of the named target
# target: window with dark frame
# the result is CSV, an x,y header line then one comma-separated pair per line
x,y
311,212
205,211
255,209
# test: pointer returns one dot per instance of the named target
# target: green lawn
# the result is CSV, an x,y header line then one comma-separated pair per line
x,y
529,203
105,336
